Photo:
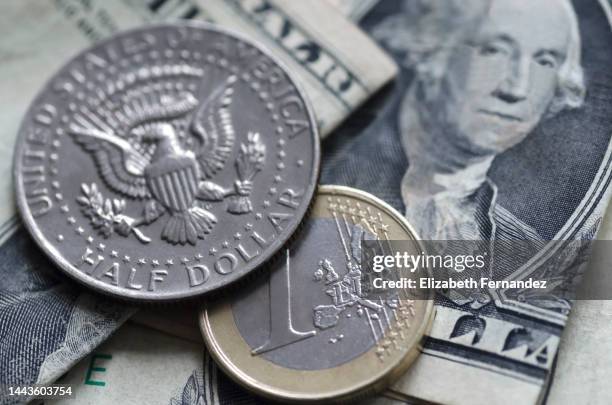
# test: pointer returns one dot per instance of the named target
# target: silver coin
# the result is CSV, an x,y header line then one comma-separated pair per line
x,y
166,162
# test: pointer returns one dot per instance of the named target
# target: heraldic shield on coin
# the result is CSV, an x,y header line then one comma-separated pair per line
x,y
316,329
166,162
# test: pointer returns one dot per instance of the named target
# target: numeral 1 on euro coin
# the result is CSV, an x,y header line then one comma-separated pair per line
x,y
282,332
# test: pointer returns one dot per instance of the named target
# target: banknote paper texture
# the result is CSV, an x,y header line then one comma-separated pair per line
x,y
584,363
583,366
125,370
48,325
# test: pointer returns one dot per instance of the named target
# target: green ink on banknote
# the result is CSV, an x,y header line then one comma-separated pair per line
x,y
91,369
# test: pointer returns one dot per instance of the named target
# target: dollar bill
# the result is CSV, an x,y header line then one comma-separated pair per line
x,y
178,331
330,56
47,323
481,139
584,365
139,365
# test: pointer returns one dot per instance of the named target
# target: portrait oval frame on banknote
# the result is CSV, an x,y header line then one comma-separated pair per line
x,y
309,363
544,180
187,123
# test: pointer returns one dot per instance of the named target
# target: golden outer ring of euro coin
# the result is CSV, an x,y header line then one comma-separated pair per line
x,y
303,370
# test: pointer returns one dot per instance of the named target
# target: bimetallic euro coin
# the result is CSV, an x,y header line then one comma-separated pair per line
x,y
315,329
166,162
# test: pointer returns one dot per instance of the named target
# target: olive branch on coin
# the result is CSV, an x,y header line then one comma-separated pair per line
x,y
106,214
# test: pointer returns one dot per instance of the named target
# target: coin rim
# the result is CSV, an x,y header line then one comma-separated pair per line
x,y
121,292
375,384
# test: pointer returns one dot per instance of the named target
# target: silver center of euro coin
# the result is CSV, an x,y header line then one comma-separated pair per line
x,y
166,162
316,302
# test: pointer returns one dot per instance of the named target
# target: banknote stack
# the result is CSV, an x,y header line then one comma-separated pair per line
x,y
230,159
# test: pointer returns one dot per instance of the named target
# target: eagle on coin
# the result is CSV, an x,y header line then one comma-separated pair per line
x,y
142,155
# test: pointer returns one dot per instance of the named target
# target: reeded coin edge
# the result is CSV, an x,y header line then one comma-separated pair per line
x,y
368,387
129,295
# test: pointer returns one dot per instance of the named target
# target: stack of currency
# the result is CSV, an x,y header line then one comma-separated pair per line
x,y
497,128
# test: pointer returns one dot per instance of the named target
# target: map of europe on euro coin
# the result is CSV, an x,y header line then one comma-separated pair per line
x,y
316,329
166,162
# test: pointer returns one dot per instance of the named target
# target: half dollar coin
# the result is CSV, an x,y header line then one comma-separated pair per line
x,y
166,162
